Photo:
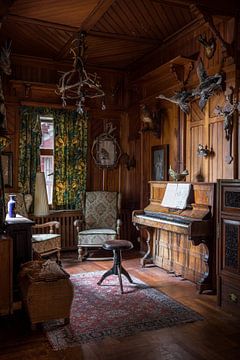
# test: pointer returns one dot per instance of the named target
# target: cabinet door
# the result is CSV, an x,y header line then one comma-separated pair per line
x,y
5,275
230,259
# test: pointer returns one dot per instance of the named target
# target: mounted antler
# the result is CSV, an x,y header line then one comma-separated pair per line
x,y
5,64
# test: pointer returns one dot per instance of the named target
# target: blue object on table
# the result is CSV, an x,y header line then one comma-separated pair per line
x,y
12,206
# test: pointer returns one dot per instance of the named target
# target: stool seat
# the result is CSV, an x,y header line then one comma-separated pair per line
x,y
117,269
117,244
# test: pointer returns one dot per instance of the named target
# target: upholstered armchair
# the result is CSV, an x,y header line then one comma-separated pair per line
x,y
100,221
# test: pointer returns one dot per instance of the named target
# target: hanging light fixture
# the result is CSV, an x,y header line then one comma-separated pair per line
x,y
77,84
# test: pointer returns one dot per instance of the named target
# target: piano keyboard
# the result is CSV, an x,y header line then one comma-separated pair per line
x,y
162,221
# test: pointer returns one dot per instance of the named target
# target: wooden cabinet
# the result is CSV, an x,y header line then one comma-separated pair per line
x,y
228,245
5,275
20,230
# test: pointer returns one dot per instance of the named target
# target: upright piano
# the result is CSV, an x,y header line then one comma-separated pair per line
x,y
181,241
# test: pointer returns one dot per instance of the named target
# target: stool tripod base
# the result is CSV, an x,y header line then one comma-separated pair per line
x,y
117,269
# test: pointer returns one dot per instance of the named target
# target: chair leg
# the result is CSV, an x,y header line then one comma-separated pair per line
x,y
106,274
58,257
120,277
80,253
125,273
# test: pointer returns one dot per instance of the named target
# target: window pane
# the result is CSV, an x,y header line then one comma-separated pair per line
x,y
47,135
47,166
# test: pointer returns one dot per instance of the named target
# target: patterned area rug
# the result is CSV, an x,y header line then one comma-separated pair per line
x,y
100,311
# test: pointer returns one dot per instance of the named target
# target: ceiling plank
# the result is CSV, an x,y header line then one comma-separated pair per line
x,y
124,37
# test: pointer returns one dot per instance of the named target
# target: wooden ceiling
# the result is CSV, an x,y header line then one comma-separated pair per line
x,y
119,33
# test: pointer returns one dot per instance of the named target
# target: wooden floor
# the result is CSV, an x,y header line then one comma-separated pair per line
x,y
217,337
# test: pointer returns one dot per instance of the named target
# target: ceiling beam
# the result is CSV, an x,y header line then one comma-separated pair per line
x,y
87,24
26,20
177,3
96,14
216,7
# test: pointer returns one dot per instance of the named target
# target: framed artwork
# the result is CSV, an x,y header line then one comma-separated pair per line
x,y
7,168
159,162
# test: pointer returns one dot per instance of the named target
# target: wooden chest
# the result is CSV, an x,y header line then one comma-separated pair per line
x,y
45,295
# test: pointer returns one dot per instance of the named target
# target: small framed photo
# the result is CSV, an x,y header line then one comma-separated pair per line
x,y
159,162
7,168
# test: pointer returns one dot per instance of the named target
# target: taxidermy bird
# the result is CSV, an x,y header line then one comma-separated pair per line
x,y
177,176
209,85
146,117
209,45
181,98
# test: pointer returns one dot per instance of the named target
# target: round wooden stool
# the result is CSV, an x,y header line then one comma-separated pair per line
x,y
117,246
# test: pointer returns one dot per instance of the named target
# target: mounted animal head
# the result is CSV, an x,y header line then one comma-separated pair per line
x,y
209,45
5,64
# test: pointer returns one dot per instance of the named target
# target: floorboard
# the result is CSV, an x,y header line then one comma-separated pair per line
x,y
214,338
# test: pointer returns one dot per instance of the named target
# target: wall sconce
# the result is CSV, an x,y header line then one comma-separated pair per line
x,y
203,151
128,162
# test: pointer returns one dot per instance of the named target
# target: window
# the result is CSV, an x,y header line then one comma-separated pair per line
x,y
47,153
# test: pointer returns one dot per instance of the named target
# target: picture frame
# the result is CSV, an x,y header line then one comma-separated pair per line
x,y
7,168
159,162
105,150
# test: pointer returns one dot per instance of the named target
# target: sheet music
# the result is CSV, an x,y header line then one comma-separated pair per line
x,y
176,195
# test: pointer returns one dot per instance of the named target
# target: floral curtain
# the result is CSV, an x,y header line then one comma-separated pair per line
x,y
70,159
70,154
29,149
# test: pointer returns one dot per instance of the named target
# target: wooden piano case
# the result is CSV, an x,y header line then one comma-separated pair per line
x,y
172,247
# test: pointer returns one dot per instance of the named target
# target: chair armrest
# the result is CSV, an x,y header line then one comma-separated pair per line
x,y
52,225
78,224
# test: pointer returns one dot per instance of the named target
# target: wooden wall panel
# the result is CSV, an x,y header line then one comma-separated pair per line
x,y
218,168
195,166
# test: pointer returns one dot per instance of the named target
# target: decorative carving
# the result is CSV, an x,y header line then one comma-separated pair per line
x,y
182,72
150,120
105,149
227,112
232,199
231,246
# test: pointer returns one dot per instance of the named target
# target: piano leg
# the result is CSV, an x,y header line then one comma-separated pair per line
x,y
208,283
147,258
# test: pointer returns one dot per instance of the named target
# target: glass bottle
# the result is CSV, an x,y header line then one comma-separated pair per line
x,y
12,206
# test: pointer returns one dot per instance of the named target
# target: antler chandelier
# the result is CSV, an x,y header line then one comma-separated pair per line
x,y
77,84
